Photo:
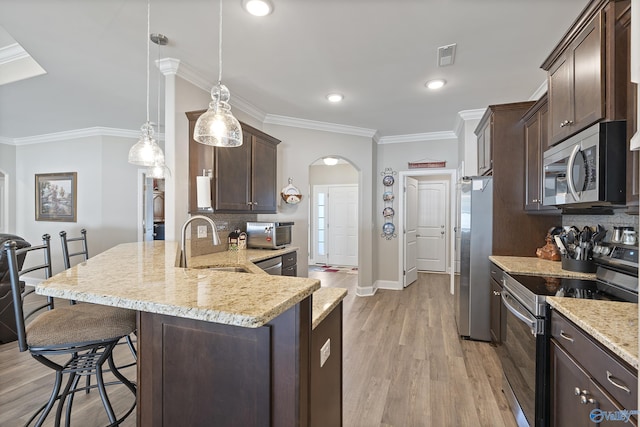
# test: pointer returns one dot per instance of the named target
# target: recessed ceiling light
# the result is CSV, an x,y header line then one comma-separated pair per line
x,y
330,161
335,97
258,7
435,84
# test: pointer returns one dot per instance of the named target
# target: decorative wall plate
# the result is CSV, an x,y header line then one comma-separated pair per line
x,y
388,212
388,196
388,228
388,180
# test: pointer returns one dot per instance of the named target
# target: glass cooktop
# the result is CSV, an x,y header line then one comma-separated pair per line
x,y
564,287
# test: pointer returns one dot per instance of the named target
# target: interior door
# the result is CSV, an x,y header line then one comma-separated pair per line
x,y
343,225
432,226
410,230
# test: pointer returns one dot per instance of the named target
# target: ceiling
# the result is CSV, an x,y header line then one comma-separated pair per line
x,y
378,53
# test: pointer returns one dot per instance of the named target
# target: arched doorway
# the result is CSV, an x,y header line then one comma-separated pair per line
x,y
333,216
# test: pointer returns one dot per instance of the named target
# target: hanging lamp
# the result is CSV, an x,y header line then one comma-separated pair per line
x,y
147,152
159,169
217,126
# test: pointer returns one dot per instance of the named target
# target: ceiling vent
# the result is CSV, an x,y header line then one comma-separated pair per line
x,y
446,55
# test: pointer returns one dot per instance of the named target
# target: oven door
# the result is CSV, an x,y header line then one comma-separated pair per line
x,y
521,354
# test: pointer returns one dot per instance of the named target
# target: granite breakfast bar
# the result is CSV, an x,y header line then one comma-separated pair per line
x,y
214,347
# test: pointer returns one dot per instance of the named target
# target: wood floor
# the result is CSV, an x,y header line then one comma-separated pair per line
x,y
404,365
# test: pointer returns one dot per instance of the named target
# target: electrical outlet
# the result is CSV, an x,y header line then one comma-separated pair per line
x,y
325,352
202,231
222,225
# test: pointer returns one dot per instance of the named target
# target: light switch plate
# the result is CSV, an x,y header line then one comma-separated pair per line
x,y
325,352
202,231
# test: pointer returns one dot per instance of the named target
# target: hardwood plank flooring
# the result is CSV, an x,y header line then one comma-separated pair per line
x,y
404,365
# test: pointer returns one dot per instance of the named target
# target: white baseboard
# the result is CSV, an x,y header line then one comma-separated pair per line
x,y
365,291
393,285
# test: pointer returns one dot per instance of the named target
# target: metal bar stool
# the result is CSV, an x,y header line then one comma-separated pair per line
x,y
86,333
66,257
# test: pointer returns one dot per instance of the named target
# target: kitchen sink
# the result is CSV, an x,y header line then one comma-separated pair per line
x,y
229,269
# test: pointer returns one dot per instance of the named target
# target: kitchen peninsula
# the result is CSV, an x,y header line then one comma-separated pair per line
x,y
214,347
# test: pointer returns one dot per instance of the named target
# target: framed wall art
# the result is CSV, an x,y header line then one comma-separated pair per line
x,y
56,197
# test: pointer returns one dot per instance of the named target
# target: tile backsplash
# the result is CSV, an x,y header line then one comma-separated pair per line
x,y
619,218
203,246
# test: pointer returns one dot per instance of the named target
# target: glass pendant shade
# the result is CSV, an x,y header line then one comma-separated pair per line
x,y
217,126
146,152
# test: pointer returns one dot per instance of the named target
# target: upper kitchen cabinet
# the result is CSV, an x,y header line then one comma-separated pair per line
x,y
503,126
244,178
536,141
588,71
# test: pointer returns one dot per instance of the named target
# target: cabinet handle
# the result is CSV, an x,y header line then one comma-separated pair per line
x,y
584,400
577,391
616,382
496,293
566,336
535,201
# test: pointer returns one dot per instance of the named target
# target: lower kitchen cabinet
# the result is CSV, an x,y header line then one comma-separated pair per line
x,y
290,264
588,384
326,377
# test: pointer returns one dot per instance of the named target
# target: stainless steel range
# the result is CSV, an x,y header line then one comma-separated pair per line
x,y
525,350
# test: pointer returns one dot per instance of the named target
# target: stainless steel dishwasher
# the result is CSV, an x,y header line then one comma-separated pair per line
x,y
272,265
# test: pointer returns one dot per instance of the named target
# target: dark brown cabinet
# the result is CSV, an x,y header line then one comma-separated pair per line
x,y
290,264
326,378
536,141
200,373
588,71
584,376
503,125
244,178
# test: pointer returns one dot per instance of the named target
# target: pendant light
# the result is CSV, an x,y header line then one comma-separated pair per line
x,y
147,152
159,170
217,126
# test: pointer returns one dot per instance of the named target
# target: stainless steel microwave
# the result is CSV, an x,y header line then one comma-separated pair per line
x,y
588,169
268,235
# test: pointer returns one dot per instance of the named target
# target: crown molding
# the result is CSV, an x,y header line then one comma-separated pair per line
x,y
75,134
464,116
316,125
542,89
418,137
12,52
168,66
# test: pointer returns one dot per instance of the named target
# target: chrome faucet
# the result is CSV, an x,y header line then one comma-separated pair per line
x,y
183,246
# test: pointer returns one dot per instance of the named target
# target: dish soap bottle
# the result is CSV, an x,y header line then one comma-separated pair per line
x,y
234,236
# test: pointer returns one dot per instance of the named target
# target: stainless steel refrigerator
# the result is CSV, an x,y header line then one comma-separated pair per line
x,y
473,286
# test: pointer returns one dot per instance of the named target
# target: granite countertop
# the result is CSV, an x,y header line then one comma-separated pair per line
x,y
324,301
534,266
143,276
613,324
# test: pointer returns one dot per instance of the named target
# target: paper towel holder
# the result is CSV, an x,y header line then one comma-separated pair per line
x,y
203,190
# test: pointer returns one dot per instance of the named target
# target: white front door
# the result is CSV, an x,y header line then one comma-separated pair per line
x,y
432,225
410,231
343,225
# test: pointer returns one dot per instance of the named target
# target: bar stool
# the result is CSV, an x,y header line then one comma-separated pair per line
x,y
86,333
84,253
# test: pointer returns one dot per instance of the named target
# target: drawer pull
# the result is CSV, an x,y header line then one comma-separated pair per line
x,y
616,382
565,336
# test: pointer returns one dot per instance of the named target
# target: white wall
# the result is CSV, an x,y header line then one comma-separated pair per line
x,y
8,168
297,151
106,197
331,175
396,157
469,147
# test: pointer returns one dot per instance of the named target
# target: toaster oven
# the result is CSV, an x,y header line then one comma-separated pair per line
x,y
268,235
